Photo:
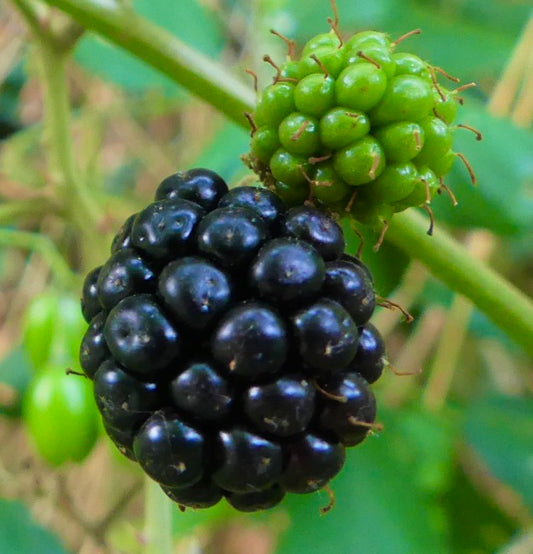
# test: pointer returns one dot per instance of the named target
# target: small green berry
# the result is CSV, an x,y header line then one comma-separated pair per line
x,y
361,86
298,134
292,195
437,140
288,168
409,64
276,103
378,55
445,109
330,62
401,141
292,70
370,213
342,126
395,183
361,162
328,187
315,94
330,40
425,188
366,38
442,165
264,143
407,98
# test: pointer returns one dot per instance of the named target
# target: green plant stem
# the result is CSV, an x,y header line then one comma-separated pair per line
x,y
13,210
163,51
508,307
54,38
45,247
28,9
502,302
80,205
158,519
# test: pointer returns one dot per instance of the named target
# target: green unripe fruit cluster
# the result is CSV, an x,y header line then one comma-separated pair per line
x,y
355,126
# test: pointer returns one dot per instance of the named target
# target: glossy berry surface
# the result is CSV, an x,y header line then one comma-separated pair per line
x,y
229,347
369,360
349,285
326,335
344,418
231,236
247,461
170,451
200,391
93,348
124,274
257,500
201,186
195,291
251,340
166,227
202,494
140,336
317,229
90,305
123,237
261,200
313,462
123,400
281,408
287,270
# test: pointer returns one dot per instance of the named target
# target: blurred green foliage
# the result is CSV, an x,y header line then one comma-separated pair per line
x,y
430,482
19,532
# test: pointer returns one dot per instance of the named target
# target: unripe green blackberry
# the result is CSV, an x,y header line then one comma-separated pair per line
x,y
355,126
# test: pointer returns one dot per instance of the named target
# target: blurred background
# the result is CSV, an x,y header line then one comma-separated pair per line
x,y
451,472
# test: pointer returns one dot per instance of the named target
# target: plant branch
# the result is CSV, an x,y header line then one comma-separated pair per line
x,y
57,114
508,307
61,32
163,51
45,247
28,9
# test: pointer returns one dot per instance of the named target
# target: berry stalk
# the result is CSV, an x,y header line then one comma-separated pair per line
x,y
158,519
500,300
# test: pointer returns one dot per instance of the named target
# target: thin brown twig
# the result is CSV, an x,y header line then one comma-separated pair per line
x,y
406,35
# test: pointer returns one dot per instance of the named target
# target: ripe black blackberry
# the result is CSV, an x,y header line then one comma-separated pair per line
x,y
229,344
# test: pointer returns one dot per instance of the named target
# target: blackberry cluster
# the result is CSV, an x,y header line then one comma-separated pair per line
x,y
367,127
229,344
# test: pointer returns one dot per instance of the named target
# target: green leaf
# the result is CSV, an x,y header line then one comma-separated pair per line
x,y
380,506
20,534
190,21
476,525
223,153
9,100
473,51
15,376
504,168
500,429
430,438
478,39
